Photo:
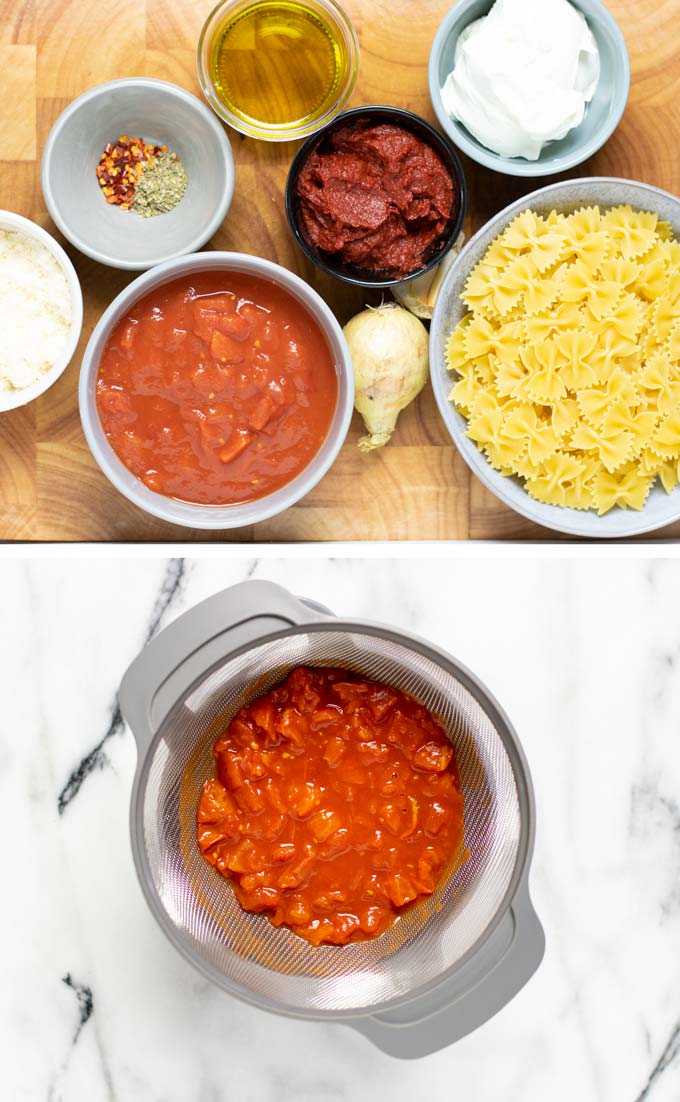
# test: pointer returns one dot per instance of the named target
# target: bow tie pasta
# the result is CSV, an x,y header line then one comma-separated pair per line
x,y
567,363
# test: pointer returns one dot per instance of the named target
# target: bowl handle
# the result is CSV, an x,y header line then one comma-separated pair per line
x,y
476,991
170,663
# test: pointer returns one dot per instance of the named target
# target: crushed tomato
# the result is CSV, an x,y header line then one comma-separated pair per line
x,y
216,389
336,803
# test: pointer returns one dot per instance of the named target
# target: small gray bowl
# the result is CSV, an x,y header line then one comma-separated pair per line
x,y
660,508
603,113
215,517
157,111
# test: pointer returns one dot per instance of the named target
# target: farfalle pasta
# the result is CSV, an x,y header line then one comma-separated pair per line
x,y
567,363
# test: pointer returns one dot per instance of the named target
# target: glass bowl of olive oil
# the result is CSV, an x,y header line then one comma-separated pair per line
x,y
277,69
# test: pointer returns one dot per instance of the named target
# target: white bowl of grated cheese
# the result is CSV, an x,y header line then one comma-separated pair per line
x,y
41,310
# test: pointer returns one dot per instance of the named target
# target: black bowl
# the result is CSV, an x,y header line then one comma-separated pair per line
x,y
366,277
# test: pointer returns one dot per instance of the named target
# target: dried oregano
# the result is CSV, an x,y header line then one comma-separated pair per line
x,y
161,186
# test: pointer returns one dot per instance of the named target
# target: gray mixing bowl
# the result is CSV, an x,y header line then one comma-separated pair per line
x,y
215,517
661,508
603,113
155,111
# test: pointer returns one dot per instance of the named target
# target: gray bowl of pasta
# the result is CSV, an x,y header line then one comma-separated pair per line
x,y
555,357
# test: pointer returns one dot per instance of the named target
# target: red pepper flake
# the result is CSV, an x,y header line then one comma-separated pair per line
x,y
121,165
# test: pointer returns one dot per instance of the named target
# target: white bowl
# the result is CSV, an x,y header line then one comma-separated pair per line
x,y
661,508
215,517
157,111
15,398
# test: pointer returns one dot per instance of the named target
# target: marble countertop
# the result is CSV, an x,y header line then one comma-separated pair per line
x,y
584,655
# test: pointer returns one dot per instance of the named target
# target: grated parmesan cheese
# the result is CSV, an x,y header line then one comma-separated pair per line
x,y
35,310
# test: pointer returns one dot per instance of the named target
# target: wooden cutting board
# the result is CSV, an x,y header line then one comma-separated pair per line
x,y
416,488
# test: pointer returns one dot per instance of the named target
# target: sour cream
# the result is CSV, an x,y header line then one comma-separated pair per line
x,y
523,75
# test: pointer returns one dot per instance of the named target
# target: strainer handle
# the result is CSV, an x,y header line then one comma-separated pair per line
x,y
471,995
170,663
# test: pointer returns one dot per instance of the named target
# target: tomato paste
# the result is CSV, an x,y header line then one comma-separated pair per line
x,y
217,388
335,804
376,197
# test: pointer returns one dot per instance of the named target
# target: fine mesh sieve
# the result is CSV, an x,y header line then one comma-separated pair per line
x,y
184,689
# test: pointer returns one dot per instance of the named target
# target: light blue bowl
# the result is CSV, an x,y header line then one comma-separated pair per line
x,y
156,111
567,196
603,113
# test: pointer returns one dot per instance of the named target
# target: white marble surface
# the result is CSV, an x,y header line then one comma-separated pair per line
x,y
585,656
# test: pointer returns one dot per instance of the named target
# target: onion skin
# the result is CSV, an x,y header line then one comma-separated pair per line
x,y
420,294
389,350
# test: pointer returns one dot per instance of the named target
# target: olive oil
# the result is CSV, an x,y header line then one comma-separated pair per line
x,y
278,63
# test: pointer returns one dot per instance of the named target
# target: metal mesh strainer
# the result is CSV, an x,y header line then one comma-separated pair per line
x,y
185,687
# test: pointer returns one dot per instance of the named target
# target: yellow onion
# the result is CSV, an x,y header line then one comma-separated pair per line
x,y
389,350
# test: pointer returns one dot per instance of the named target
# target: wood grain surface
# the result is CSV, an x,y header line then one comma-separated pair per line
x,y
417,487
